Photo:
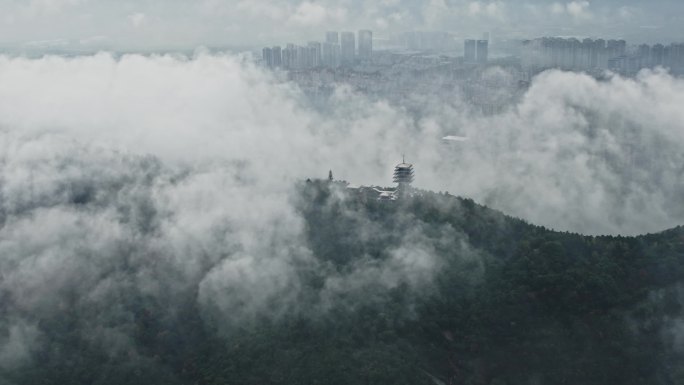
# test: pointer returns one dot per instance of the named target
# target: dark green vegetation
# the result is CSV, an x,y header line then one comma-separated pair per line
x,y
501,302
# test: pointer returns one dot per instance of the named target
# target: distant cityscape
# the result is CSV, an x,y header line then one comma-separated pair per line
x,y
349,50
342,50
338,50
432,64
587,54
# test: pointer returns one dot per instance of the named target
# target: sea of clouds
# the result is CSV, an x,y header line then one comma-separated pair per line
x,y
166,175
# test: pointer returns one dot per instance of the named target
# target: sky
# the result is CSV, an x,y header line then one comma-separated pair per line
x,y
158,24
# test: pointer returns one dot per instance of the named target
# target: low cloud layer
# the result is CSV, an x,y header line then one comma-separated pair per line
x,y
573,153
579,154
163,177
153,179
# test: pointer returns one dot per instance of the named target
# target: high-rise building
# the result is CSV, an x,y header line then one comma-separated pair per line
x,y
576,54
615,48
622,47
290,57
365,45
612,47
677,58
470,51
644,54
332,37
302,58
347,48
671,56
267,56
667,56
286,58
482,51
316,54
330,55
598,55
586,53
657,55
277,54
593,55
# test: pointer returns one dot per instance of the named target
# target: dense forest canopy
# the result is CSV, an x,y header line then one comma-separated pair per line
x,y
430,289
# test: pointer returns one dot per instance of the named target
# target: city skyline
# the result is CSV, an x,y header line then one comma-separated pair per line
x,y
331,53
534,55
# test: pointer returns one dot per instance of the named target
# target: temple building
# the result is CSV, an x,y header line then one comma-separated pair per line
x,y
403,177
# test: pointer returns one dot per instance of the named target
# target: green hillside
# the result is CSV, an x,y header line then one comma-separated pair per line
x,y
432,289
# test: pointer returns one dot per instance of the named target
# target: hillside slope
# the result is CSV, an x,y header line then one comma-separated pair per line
x,y
432,289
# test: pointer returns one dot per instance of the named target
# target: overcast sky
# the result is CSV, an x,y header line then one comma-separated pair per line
x,y
189,23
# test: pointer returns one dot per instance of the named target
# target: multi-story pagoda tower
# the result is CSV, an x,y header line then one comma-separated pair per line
x,y
403,177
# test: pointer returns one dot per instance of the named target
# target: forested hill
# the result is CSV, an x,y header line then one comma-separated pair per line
x,y
509,303
430,289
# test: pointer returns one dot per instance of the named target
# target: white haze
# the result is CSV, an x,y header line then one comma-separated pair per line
x,y
98,24
574,154
186,167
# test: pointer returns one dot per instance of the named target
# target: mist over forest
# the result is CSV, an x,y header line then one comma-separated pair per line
x,y
167,218
572,153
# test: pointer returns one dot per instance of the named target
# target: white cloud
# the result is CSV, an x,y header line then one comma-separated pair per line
x,y
474,8
494,10
13,12
139,109
205,22
94,40
313,14
578,10
181,170
261,8
436,11
381,23
51,6
557,8
137,19
627,13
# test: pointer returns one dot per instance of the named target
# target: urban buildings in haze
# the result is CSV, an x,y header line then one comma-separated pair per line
x,y
332,37
337,50
470,51
330,55
365,45
347,48
399,73
571,54
276,53
315,52
350,50
267,56
476,51
482,51
596,55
